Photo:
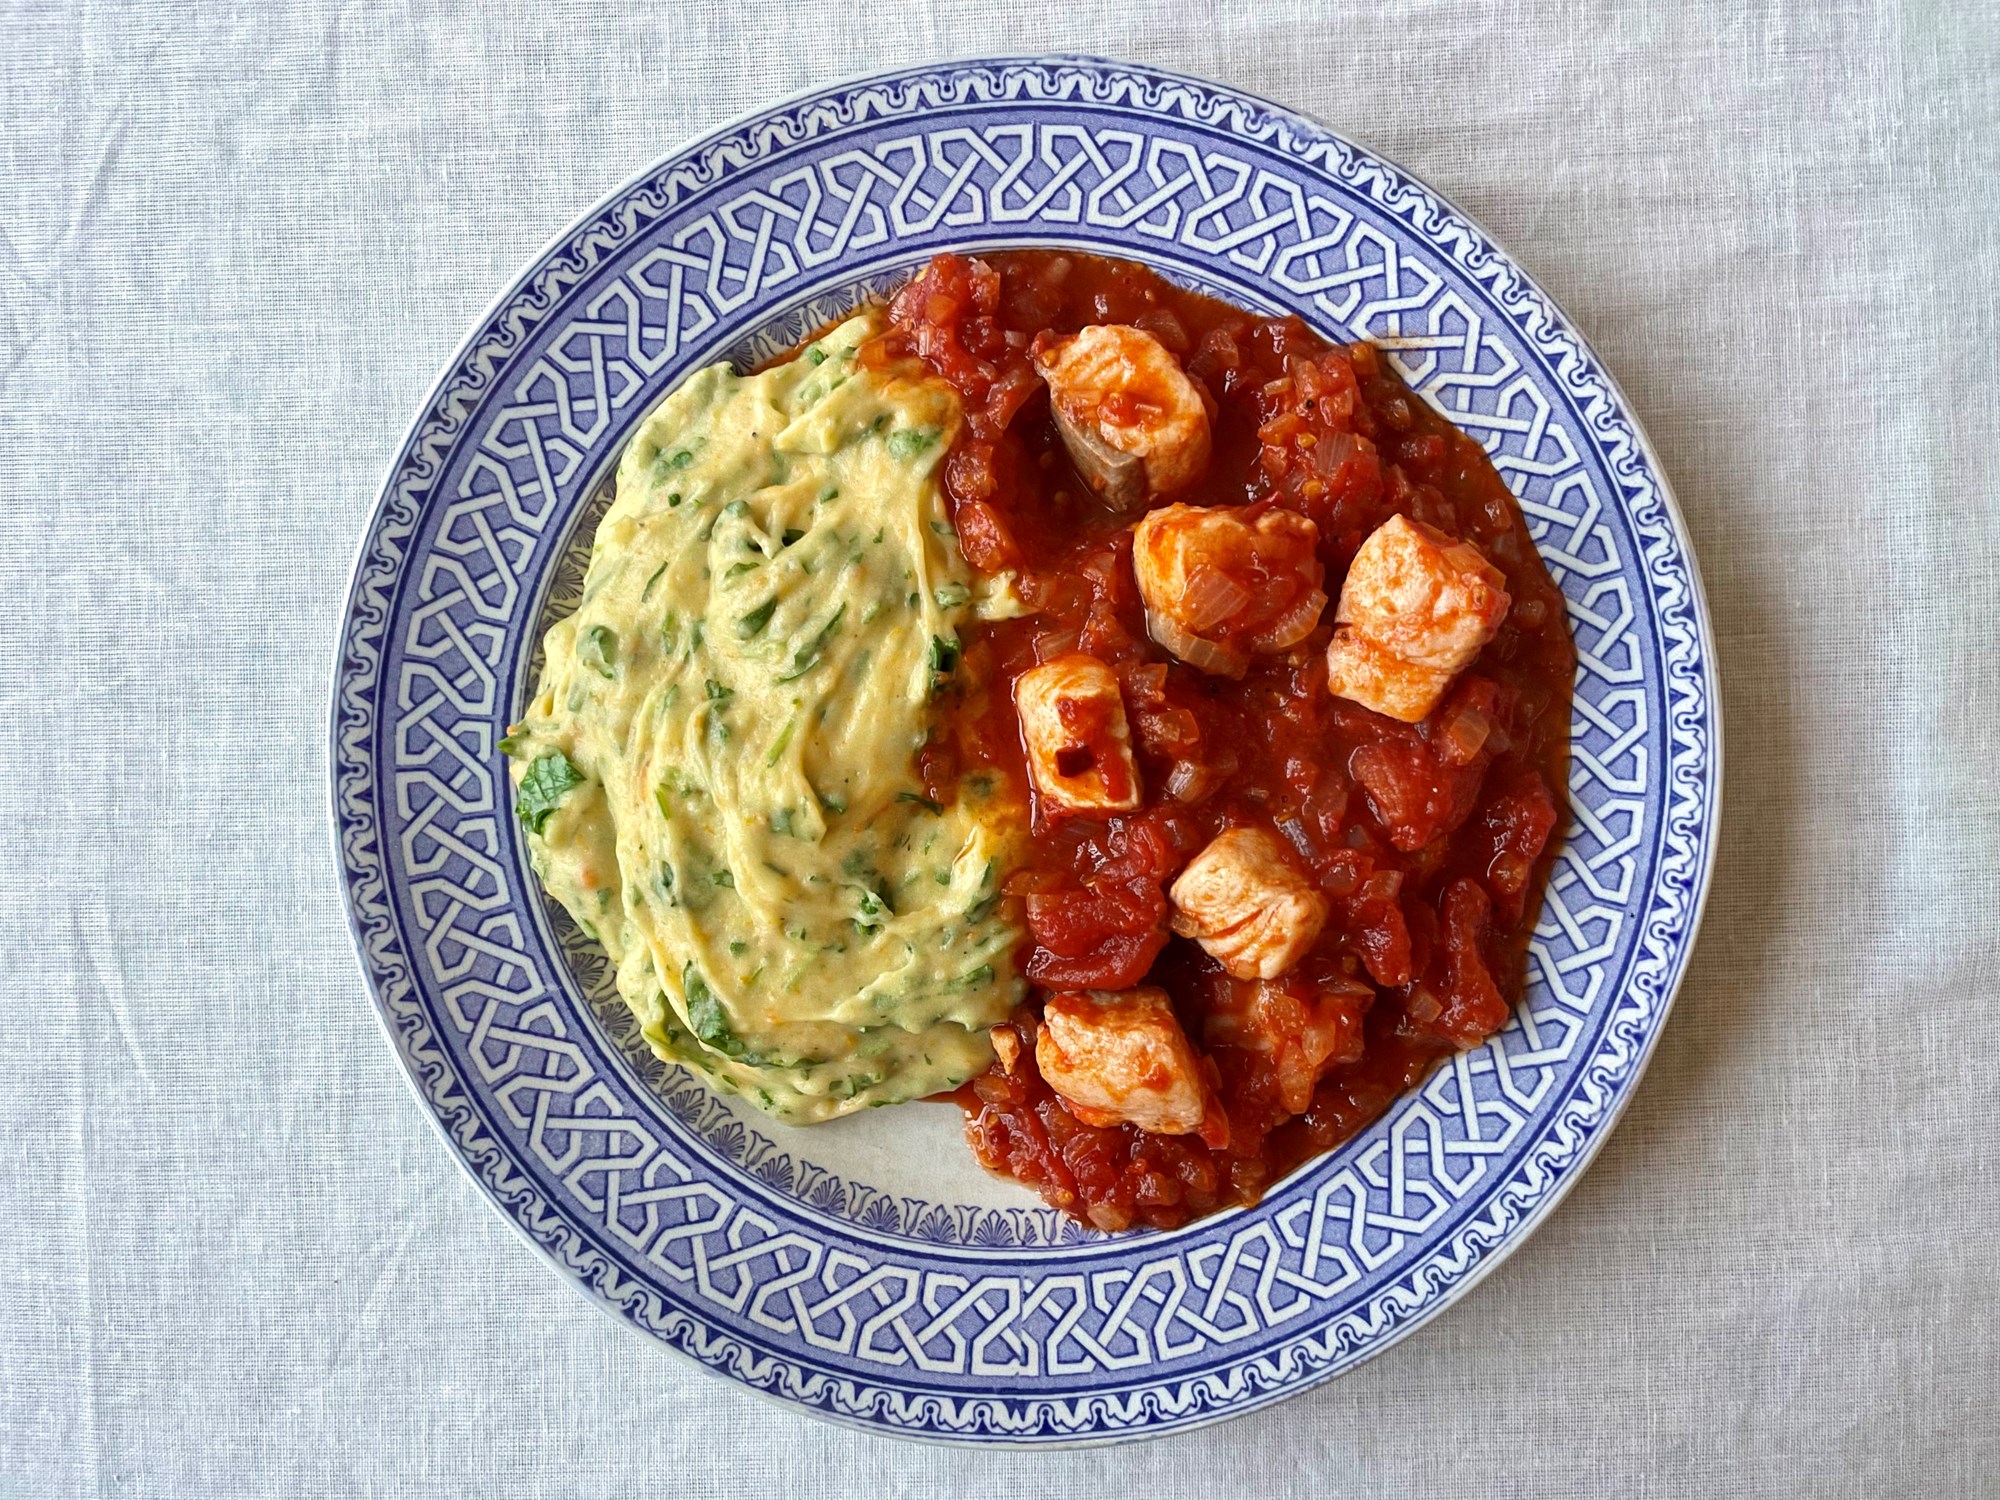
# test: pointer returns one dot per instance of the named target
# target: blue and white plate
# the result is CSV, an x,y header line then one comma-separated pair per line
x,y
868,1270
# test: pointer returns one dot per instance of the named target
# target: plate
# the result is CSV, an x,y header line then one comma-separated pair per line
x,y
867,1271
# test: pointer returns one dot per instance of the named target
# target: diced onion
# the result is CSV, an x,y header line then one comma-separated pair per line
x,y
1294,625
1049,644
1462,733
1296,835
1341,881
1211,596
1332,451
1423,1007
1383,885
1204,655
1190,781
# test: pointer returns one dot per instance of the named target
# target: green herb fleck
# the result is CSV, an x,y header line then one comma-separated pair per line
x,y
706,1016
778,745
717,693
598,650
807,656
752,625
549,779
920,800
943,656
875,910
910,441
816,355
724,878
951,595
654,579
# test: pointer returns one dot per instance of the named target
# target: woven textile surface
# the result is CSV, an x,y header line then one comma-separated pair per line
x,y
236,245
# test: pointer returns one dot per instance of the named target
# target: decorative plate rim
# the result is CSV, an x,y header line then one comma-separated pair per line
x,y
1303,1372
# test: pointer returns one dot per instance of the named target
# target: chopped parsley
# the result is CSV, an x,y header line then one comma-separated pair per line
x,y
706,1015
598,650
778,745
908,442
549,779
943,656
807,656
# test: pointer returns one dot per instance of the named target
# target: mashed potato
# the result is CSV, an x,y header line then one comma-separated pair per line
x,y
718,773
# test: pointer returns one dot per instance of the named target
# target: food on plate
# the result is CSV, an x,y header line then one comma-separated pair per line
x,y
1134,423
1243,900
1223,583
1073,728
1416,607
1120,1057
1140,719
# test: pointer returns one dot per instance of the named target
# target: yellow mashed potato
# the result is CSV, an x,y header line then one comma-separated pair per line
x,y
718,773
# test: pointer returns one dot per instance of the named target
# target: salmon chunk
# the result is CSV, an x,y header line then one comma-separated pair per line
x,y
1416,608
1242,899
1133,420
1120,1057
1079,750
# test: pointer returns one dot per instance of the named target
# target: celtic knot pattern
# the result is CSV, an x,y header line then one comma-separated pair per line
x,y
660,1199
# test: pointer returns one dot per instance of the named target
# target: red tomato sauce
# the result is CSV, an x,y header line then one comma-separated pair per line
x,y
1431,841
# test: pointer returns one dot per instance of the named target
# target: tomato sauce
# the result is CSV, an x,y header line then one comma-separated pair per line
x,y
1431,841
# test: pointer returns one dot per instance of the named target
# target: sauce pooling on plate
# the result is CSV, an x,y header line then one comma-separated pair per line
x,y
1295,614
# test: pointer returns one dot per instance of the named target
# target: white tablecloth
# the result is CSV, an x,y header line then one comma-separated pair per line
x,y
239,241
